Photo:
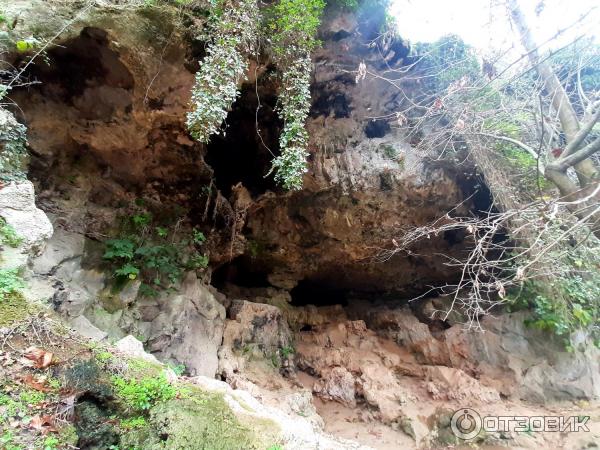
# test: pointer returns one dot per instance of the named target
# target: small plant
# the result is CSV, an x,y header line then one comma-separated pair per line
x,y
10,283
178,369
141,395
389,151
8,235
51,443
147,253
198,262
133,423
31,397
198,237
287,351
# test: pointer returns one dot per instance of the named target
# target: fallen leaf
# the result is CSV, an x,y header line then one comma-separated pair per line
x,y
38,385
41,358
43,423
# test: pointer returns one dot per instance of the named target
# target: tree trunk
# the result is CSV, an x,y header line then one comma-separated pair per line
x,y
586,171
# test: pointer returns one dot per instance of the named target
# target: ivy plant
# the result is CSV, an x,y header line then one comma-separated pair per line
x,y
13,151
234,27
294,27
291,29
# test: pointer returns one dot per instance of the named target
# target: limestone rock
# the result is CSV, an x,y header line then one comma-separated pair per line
x,y
84,327
297,432
337,384
17,207
130,346
189,328
255,329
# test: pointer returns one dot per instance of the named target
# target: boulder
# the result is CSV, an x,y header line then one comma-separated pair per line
x,y
17,207
337,384
254,330
130,346
84,327
189,328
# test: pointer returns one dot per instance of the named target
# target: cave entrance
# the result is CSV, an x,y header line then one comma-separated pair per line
x,y
318,293
84,72
244,151
242,272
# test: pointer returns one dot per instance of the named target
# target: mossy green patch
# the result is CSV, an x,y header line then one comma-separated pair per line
x,y
199,420
13,308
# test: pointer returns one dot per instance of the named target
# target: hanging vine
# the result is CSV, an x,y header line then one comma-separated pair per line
x,y
234,32
295,24
290,31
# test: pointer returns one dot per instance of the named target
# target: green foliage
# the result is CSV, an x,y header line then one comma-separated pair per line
x,y
450,58
13,150
133,423
389,151
51,443
153,254
141,395
287,351
293,20
293,28
234,33
178,369
8,235
567,303
198,237
7,441
11,283
31,397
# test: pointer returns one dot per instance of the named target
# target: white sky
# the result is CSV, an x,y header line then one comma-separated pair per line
x,y
485,28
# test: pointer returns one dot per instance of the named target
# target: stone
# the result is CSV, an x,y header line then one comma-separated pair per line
x,y
254,330
130,346
63,246
524,362
337,384
189,328
297,433
17,207
84,327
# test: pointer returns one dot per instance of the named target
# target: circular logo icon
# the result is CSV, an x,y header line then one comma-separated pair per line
x,y
466,423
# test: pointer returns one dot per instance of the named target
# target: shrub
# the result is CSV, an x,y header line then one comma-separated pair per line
x,y
234,33
141,395
153,254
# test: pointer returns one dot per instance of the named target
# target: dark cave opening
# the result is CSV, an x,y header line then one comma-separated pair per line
x,y
249,142
320,293
377,128
83,79
241,271
76,67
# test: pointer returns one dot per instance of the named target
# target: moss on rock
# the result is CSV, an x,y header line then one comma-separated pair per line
x,y
13,308
201,420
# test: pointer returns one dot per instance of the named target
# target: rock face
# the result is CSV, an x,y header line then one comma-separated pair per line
x,y
254,330
17,207
295,270
189,328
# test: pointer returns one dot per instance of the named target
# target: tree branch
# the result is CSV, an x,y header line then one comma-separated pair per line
x,y
564,163
518,143
582,133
